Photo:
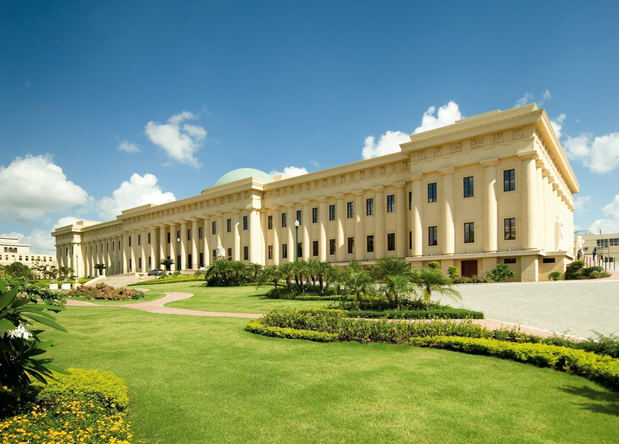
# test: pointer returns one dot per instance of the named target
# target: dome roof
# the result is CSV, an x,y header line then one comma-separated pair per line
x,y
243,173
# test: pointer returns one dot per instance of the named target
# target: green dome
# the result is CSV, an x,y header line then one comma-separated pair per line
x,y
243,173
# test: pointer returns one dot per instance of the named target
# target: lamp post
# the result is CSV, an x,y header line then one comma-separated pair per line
x,y
296,245
178,252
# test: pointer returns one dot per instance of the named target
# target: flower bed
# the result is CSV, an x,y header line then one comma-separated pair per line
x,y
104,292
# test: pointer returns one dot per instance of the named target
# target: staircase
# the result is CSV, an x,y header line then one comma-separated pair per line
x,y
119,280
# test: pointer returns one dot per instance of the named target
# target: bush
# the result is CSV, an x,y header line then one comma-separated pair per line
x,y
104,292
603,369
432,313
453,273
290,333
104,389
307,293
577,270
554,276
82,406
500,273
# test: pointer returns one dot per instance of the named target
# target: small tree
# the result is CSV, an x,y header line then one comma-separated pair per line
x,y
100,268
433,280
500,273
17,269
396,288
167,263
358,283
453,273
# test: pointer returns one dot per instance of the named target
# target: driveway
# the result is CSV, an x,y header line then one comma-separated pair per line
x,y
566,307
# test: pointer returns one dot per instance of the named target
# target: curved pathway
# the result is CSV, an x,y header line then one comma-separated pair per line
x,y
158,306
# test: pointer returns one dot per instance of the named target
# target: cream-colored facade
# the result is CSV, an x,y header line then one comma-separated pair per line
x,y
598,249
493,188
12,251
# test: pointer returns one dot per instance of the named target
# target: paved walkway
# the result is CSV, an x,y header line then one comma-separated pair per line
x,y
566,307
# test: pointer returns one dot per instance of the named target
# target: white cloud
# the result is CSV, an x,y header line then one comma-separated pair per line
x,y
599,154
139,190
34,186
446,115
581,203
128,147
65,220
180,143
387,144
611,223
557,124
547,95
289,171
528,97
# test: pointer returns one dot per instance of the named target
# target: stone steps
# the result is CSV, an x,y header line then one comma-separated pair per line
x,y
120,280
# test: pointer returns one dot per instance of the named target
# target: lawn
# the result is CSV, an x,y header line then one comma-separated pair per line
x,y
195,379
246,299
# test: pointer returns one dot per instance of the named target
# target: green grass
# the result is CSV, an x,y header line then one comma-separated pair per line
x,y
194,379
246,299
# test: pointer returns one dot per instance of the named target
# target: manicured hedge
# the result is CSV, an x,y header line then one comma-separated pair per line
x,y
432,313
604,369
290,333
170,280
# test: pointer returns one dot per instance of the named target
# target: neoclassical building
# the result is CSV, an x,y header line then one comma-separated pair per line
x,y
493,188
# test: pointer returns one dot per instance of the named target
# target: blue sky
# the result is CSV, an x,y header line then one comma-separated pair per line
x,y
195,89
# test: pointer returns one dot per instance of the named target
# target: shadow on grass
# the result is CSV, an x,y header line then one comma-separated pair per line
x,y
598,401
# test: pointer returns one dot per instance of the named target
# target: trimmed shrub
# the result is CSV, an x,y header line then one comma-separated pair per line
x,y
307,293
290,333
500,273
554,276
105,389
603,369
432,313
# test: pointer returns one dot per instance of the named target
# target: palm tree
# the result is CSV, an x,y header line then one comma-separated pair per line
x,y
359,282
337,276
432,279
167,263
271,274
312,269
395,288
64,272
322,271
219,268
391,266
255,270
238,269
100,268
287,272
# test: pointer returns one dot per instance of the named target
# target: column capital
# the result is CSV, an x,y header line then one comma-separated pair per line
x,y
400,185
528,155
378,188
489,162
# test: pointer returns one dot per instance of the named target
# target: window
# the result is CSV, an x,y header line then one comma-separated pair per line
x,y
284,220
188,235
300,217
432,192
548,260
214,227
410,240
229,253
614,242
201,263
245,223
270,251
602,243
299,249
139,263
150,262
130,240
351,245
350,210
214,253
228,225
509,228
284,251
468,186
410,200
509,260
245,253
270,222
469,232
148,240
314,248
200,232
390,241
139,239
169,235
390,203
331,212
370,244
331,247
178,236
369,206
509,180
433,236
314,215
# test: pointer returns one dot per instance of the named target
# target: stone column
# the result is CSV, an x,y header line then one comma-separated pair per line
x,y
195,259
339,238
322,240
173,247
255,236
183,249
145,249
236,241
490,226
528,228
546,212
401,236
291,234
305,227
220,229
539,186
276,224
124,254
359,228
379,223
162,245
207,247
416,223
448,237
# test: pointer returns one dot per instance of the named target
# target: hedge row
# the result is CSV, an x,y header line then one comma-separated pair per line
x,y
432,313
290,333
604,369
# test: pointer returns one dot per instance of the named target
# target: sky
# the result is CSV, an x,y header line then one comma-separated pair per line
x,y
109,105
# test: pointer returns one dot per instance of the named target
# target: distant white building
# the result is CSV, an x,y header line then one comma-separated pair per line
x,y
12,251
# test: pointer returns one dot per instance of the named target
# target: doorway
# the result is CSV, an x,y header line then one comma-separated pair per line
x,y
469,268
